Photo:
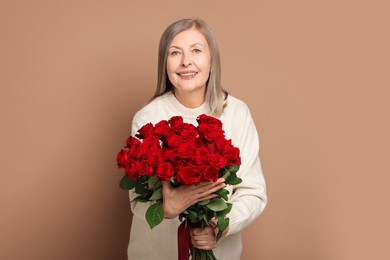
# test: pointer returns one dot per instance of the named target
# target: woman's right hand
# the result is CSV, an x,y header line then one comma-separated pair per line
x,y
176,200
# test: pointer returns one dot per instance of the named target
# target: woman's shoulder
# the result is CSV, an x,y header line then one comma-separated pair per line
x,y
236,105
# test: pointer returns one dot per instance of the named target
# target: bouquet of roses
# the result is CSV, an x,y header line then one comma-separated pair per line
x,y
182,154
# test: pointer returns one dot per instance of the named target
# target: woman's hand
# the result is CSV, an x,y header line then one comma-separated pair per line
x,y
205,239
176,200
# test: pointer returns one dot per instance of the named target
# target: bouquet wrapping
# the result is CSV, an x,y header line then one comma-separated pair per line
x,y
182,154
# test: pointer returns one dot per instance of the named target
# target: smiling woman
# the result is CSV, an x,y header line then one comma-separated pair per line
x,y
188,86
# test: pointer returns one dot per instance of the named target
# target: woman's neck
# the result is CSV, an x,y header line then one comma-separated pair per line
x,y
190,99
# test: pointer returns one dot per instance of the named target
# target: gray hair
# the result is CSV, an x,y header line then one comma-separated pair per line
x,y
215,94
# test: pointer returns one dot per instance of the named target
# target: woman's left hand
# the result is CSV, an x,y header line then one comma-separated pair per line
x,y
205,238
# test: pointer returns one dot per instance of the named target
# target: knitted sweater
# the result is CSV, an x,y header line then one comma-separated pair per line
x,y
248,198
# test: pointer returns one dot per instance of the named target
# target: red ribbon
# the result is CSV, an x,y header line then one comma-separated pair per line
x,y
184,241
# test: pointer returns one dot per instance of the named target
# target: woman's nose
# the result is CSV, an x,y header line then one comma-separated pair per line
x,y
186,61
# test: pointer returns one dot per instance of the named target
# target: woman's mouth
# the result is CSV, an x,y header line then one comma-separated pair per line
x,y
187,73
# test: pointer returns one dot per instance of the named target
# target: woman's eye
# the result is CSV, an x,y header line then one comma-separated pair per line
x,y
175,52
197,50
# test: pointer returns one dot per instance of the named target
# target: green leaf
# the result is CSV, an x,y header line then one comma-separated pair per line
x,y
192,215
141,187
204,202
222,224
140,199
127,183
154,215
230,175
234,169
223,193
217,204
152,182
235,181
158,184
205,220
224,212
157,194
174,182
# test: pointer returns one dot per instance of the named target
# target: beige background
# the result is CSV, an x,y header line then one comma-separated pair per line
x,y
314,73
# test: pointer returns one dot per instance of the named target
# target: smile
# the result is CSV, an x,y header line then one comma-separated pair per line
x,y
187,74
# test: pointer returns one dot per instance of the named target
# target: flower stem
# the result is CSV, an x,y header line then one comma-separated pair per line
x,y
199,254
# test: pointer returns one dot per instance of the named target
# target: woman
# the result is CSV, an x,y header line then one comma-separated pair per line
x,y
189,85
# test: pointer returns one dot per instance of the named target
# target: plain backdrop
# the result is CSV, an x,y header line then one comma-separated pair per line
x,y
315,75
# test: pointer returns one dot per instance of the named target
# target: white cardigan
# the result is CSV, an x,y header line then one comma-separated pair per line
x,y
248,198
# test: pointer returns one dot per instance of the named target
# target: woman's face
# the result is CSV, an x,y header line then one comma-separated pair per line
x,y
189,62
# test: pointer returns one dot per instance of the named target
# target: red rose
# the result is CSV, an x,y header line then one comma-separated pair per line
x,y
190,135
205,128
222,144
164,171
200,141
144,168
211,147
176,123
179,163
132,141
186,150
134,146
232,154
214,136
122,158
187,126
201,151
200,157
149,145
210,173
162,129
209,120
188,175
169,154
216,160
198,161
212,133
146,131
174,141
131,169
155,157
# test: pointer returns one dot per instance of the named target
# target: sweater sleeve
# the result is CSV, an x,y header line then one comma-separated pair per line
x,y
249,197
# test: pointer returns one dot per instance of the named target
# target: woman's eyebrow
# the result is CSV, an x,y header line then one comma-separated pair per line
x,y
192,45
195,44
